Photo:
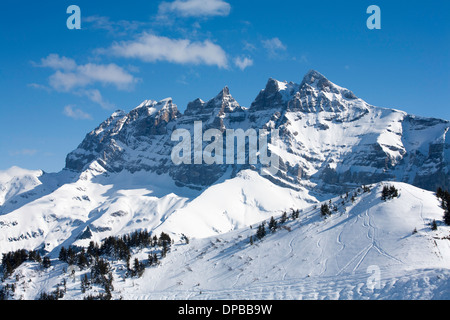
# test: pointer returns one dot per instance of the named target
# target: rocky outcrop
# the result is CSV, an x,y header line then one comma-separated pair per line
x,y
330,140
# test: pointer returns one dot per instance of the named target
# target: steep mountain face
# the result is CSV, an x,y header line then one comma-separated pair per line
x,y
329,141
122,178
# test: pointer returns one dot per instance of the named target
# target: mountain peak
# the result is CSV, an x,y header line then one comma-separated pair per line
x,y
118,113
314,80
225,92
314,77
224,100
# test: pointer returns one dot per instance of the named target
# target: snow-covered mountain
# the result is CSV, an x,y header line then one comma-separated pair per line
x,y
121,178
16,181
330,139
366,249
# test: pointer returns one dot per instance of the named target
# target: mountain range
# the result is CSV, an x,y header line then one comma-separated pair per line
x,y
121,179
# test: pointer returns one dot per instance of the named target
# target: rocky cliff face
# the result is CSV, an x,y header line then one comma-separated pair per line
x,y
330,140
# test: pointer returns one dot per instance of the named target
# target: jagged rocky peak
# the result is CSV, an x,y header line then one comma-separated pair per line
x,y
316,94
276,94
118,114
314,80
312,115
222,103
164,109
151,118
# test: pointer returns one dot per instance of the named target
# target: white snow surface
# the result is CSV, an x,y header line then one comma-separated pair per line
x,y
115,204
16,181
338,257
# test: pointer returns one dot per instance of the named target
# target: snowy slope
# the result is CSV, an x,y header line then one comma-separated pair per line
x,y
115,204
308,258
16,181
121,179
319,258
235,203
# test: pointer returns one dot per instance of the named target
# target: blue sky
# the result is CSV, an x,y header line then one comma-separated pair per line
x,y
57,84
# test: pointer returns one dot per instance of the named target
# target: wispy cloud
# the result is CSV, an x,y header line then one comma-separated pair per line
x,y
78,79
56,62
243,62
116,28
195,8
151,48
39,86
76,114
23,152
90,73
69,75
274,46
95,96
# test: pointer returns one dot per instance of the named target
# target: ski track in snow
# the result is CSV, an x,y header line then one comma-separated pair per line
x,y
309,258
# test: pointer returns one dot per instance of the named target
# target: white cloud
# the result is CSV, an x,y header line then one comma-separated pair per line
x,y
95,96
76,114
274,46
151,48
56,62
243,63
69,75
195,8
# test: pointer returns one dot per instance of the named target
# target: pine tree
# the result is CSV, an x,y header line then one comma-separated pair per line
x,y
440,193
71,256
447,217
84,283
136,267
283,218
82,260
164,250
434,225
385,193
393,192
46,263
273,224
325,210
63,255
389,192
261,233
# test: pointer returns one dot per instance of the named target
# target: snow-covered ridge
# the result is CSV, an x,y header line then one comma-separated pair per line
x,y
16,181
330,140
366,249
121,179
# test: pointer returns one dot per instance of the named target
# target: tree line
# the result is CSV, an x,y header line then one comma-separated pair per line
x,y
444,196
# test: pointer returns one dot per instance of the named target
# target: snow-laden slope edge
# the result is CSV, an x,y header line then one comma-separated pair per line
x,y
319,258
115,204
308,258
16,181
